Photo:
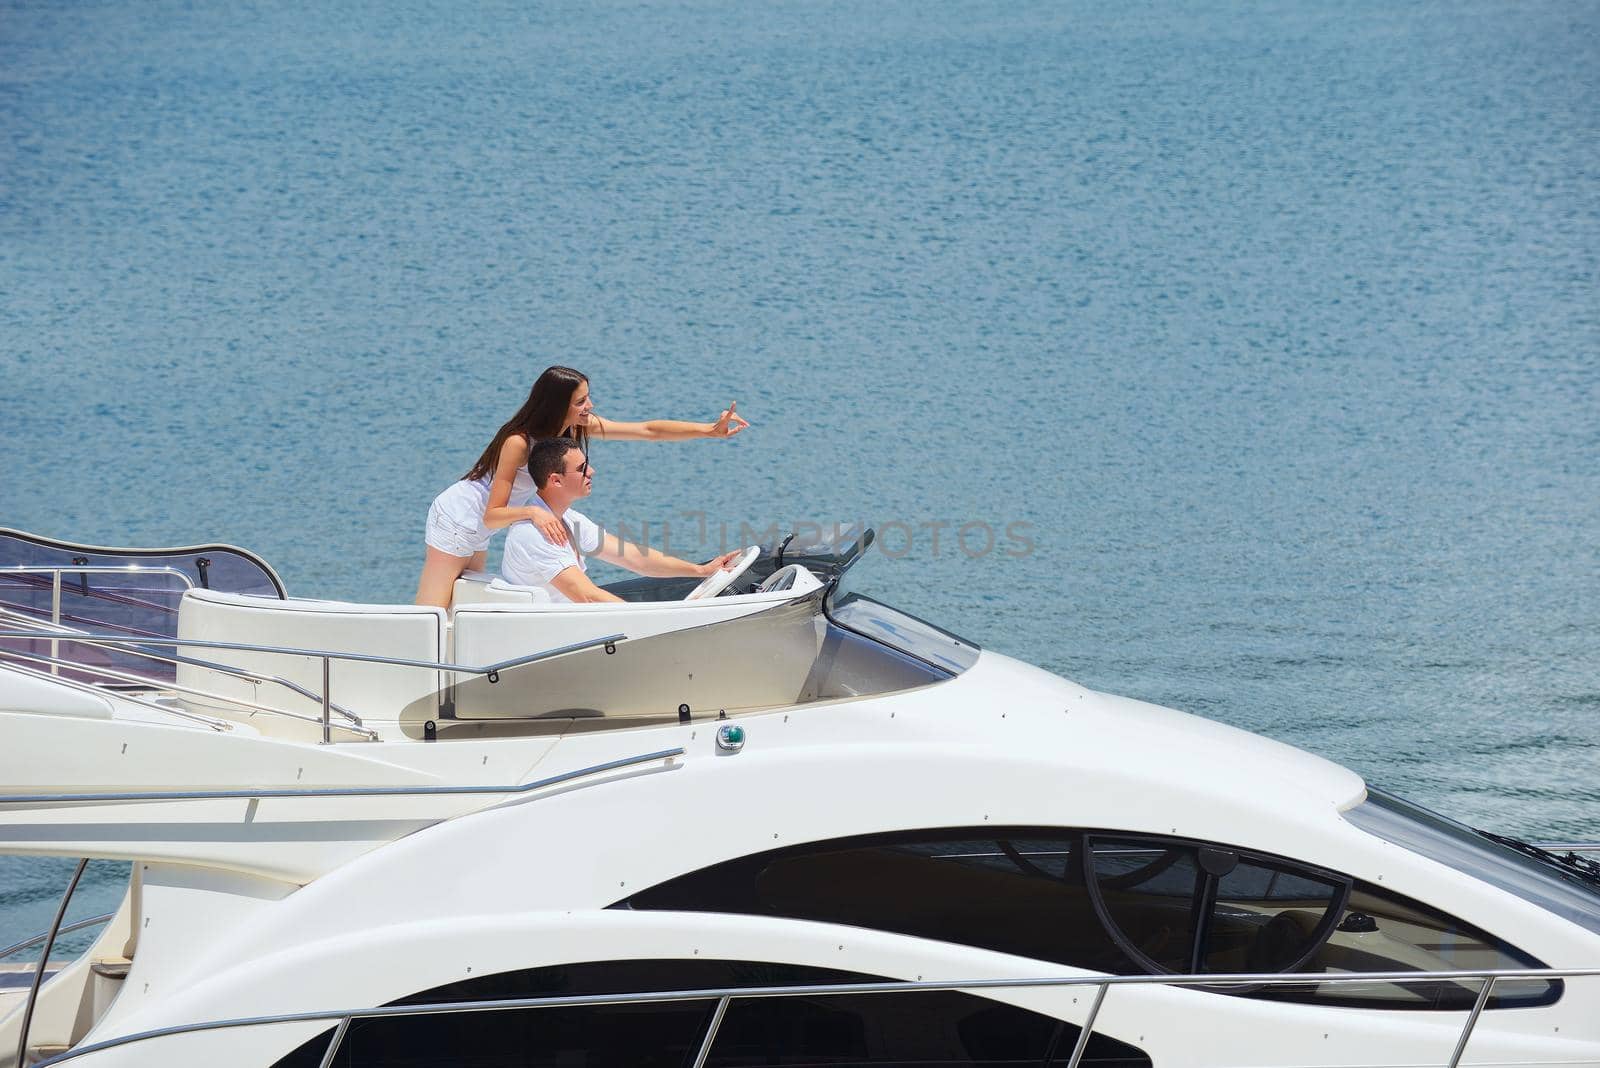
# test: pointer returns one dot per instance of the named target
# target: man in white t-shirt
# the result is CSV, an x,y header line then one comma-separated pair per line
x,y
562,474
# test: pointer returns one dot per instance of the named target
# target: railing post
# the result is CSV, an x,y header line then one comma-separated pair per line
x,y
333,1045
1472,1021
49,944
55,620
711,1032
1088,1027
327,701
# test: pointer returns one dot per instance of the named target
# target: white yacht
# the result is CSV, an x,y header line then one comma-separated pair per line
x,y
786,825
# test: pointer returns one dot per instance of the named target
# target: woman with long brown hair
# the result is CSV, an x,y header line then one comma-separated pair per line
x,y
497,490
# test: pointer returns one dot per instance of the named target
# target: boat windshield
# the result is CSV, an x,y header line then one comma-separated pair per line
x,y
1556,884
129,592
899,630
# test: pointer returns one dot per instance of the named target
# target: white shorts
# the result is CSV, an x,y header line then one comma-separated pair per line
x,y
449,536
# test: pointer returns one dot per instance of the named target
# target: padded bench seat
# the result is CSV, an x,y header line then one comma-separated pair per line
x,y
371,691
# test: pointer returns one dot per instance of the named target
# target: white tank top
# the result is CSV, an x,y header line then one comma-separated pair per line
x,y
522,487
463,503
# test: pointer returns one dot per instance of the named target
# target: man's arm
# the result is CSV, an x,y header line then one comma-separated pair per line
x,y
576,586
643,560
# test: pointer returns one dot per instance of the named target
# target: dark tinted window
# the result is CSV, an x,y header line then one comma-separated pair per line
x,y
1149,893
1116,903
611,1036
1020,893
1383,932
940,1028
1190,908
1266,917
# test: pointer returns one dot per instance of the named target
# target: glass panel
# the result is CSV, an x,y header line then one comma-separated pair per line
x,y
914,1029
1018,894
1149,891
902,1030
308,1054
139,604
1025,893
900,630
1383,932
567,980
611,1036
1266,918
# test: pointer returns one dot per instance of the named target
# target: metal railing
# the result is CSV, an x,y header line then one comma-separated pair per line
x,y
44,960
71,635
725,996
327,656
10,664
34,940
353,722
55,571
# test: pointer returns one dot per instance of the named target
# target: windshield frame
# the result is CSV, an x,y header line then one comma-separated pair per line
x,y
1463,849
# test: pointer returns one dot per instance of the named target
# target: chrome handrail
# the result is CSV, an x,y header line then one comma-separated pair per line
x,y
26,616
28,943
126,676
57,570
68,634
365,658
1101,982
95,569
340,791
492,671
44,956
85,687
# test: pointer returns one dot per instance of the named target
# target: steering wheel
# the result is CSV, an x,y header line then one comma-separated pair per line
x,y
720,579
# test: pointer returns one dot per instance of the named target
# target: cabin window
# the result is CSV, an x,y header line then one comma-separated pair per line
x,y
937,1029
1147,893
1019,893
1383,932
918,1030
1177,906
1118,904
1268,917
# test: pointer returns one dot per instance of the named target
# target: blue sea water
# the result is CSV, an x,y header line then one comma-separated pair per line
x,y
1263,337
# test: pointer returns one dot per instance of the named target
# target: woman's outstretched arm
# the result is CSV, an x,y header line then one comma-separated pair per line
x,y
727,425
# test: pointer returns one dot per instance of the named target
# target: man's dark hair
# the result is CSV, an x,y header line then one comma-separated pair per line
x,y
548,456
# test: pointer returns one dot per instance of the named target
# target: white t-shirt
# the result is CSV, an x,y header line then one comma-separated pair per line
x,y
532,560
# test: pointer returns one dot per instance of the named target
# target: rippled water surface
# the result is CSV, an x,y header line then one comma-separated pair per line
x,y
1263,337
